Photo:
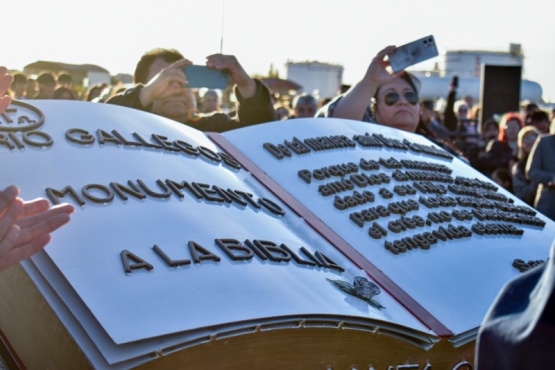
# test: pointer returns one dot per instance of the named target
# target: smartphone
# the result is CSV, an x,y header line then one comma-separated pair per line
x,y
412,53
203,76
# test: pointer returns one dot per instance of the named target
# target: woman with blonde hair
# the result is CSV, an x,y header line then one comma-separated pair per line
x,y
523,188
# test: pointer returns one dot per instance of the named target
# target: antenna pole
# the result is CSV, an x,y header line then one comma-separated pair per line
x,y
222,35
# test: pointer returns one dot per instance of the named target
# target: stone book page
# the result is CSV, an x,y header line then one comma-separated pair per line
x,y
299,235
443,232
173,240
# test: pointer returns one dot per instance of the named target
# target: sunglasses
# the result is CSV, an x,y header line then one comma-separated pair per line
x,y
393,97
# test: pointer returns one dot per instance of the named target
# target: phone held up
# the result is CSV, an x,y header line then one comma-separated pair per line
x,y
202,76
414,52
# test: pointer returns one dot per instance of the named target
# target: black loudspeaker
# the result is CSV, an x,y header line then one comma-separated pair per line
x,y
499,90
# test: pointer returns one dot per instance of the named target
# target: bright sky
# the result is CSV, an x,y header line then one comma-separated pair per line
x,y
115,33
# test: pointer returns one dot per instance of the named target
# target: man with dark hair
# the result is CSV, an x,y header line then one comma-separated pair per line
x,y
211,101
47,85
18,86
162,89
32,88
530,108
540,120
65,80
142,70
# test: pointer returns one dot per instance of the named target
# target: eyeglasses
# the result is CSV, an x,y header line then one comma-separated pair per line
x,y
393,97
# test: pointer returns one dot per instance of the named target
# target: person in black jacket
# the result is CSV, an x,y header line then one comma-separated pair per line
x,y
161,89
540,169
517,330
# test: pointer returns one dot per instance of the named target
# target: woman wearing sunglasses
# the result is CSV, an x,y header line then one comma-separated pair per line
x,y
389,99
394,97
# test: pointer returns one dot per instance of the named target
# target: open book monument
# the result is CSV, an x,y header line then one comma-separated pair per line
x,y
307,243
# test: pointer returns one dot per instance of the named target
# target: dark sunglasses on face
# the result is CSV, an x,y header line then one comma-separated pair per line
x,y
393,97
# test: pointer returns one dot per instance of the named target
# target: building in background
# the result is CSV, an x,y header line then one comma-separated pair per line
x,y
84,75
322,80
468,65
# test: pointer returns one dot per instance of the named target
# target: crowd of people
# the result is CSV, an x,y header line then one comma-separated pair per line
x,y
507,150
502,147
514,151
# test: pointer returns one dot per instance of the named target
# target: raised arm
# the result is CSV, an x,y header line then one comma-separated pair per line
x,y
245,84
354,102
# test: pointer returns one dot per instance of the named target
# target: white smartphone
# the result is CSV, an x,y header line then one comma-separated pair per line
x,y
412,53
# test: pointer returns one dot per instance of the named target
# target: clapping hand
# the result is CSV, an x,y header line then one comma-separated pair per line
x,y
25,226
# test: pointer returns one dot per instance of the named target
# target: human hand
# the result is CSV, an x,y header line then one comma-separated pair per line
x,y
377,73
25,227
6,80
245,84
169,81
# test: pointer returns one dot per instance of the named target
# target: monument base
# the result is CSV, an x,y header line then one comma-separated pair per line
x,y
316,348
33,335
